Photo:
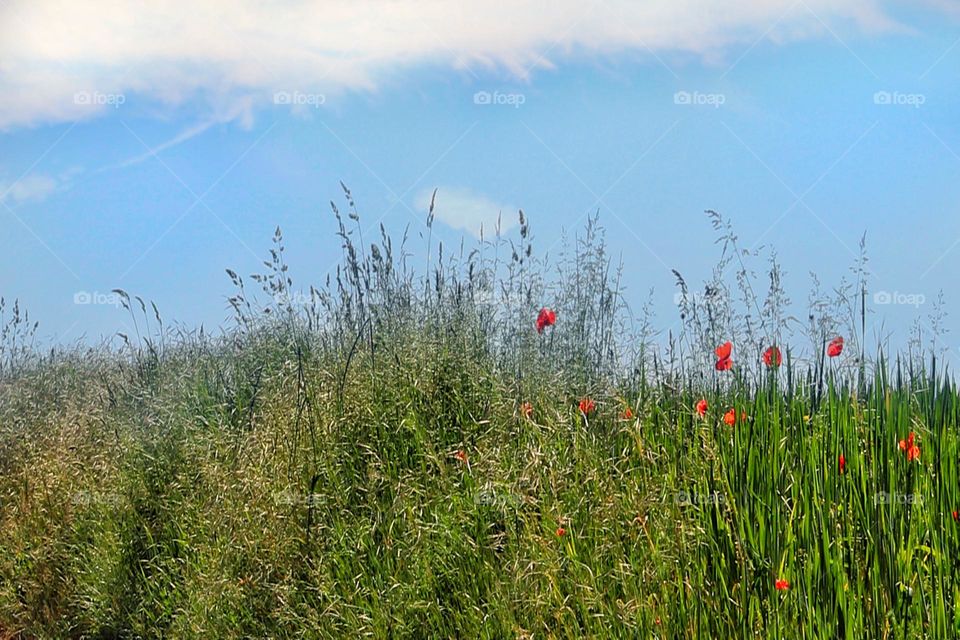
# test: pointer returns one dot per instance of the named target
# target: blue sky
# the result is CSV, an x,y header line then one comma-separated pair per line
x,y
148,151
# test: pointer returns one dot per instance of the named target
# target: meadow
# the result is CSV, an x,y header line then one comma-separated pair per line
x,y
491,445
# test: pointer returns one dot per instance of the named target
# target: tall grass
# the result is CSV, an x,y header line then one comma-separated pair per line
x,y
355,459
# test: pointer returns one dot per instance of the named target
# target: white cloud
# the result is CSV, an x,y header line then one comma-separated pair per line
x,y
35,187
109,51
463,209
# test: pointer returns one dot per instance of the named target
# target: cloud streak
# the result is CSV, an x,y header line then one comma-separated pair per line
x,y
242,113
463,209
52,51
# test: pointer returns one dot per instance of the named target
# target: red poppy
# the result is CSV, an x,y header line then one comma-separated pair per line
x,y
526,409
906,444
835,347
627,414
546,318
843,463
730,417
461,455
561,532
702,408
956,515
771,357
587,406
724,362
724,350
912,450
782,585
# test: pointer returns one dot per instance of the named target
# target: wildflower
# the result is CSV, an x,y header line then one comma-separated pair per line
x,y
627,414
561,532
730,417
461,455
587,406
956,516
546,318
843,463
906,444
911,449
771,357
835,347
724,362
782,585
526,409
702,408
724,350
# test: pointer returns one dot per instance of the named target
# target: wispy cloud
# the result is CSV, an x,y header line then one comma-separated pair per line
x,y
31,188
63,60
461,208
241,112
180,138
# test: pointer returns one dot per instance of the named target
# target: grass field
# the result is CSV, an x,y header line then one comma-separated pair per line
x,y
400,456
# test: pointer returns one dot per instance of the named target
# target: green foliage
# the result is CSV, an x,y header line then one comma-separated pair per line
x,y
361,465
